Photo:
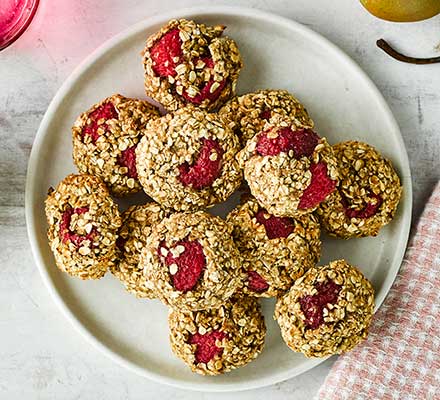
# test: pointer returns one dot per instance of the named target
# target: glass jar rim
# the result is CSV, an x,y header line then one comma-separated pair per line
x,y
19,27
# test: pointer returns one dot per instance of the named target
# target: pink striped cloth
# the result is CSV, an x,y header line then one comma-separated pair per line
x,y
401,357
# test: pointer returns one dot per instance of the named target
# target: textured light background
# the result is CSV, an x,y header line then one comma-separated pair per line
x,y
41,357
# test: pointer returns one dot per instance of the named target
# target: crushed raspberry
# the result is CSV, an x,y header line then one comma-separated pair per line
x,y
301,141
368,211
312,310
206,168
163,52
256,282
320,187
128,159
209,62
276,227
265,114
206,347
98,119
205,93
328,292
190,263
313,306
65,232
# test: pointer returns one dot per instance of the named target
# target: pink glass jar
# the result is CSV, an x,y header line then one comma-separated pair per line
x,y
15,17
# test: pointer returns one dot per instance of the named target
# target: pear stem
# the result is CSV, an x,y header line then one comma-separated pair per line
x,y
383,44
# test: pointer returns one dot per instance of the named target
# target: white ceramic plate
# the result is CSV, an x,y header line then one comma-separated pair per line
x,y
278,53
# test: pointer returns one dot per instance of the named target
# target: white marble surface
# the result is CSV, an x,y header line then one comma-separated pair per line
x,y
41,357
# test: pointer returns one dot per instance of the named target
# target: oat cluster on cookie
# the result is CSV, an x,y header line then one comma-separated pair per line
x,y
105,138
191,63
210,272
327,311
275,250
289,171
83,226
367,196
186,160
218,340
250,113
192,261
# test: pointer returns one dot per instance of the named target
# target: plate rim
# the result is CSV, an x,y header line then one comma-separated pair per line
x,y
192,12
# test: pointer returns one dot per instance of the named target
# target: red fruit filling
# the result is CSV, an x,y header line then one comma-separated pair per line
x,y
205,90
320,187
301,141
256,282
313,306
128,159
276,227
368,211
169,48
163,52
205,93
190,263
265,114
209,62
98,119
206,347
68,235
206,169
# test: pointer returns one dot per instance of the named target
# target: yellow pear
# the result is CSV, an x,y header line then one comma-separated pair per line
x,y
402,10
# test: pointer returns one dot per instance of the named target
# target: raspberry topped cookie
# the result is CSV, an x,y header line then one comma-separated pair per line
x,y
212,342
250,113
368,193
192,261
275,250
289,170
83,226
190,63
327,311
105,138
186,160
